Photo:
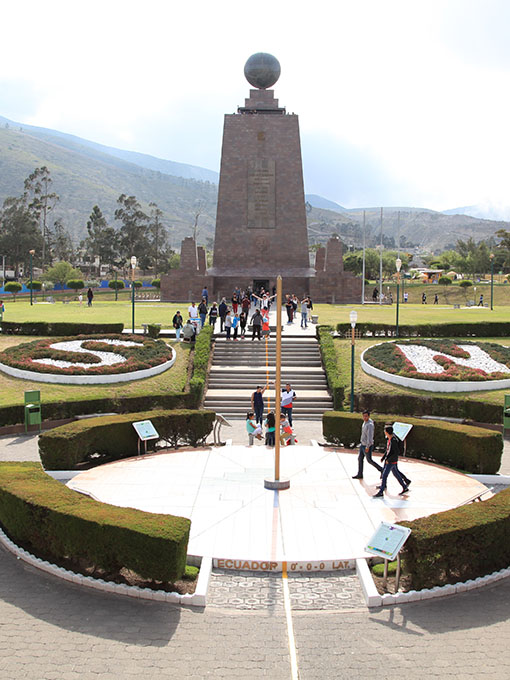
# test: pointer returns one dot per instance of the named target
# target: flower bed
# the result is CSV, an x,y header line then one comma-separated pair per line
x,y
425,364
87,356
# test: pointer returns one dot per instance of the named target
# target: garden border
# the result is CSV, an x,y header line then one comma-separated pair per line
x,y
431,385
62,379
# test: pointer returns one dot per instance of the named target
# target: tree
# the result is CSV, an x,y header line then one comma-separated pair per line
x,y
445,281
116,284
465,284
75,284
19,233
13,287
158,236
156,283
42,200
60,243
134,231
62,272
102,240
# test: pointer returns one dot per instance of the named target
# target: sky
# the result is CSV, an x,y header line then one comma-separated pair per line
x,y
400,102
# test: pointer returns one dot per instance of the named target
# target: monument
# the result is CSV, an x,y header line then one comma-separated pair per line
x,y
261,229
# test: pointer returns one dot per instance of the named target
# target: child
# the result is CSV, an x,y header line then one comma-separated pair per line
x,y
286,435
270,425
252,427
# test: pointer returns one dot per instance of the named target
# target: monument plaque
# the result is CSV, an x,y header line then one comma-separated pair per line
x,y
261,194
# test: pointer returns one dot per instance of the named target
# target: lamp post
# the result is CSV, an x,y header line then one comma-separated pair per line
x,y
116,289
133,267
31,252
492,280
354,317
398,265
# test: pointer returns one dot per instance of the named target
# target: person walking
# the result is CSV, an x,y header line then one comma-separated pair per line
x,y
480,304
289,308
235,303
304,313
202,312
177,323
235,325
390,460
366,446
205,295
222,310
228,324
243,319
213,315
424,299
193,313
288,397
257,403
90,297
256,325
436,299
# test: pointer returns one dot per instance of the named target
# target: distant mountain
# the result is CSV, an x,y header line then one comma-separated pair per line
x,y
145,161
324,203
83,177
488,211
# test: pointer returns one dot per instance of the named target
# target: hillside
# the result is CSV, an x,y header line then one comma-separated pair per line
x,y
83,177
85,173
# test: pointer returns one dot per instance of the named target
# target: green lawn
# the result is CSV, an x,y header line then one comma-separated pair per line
x,y
172,381
367,383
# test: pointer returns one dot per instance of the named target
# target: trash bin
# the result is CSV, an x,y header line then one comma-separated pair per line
x,y
506,413
32,409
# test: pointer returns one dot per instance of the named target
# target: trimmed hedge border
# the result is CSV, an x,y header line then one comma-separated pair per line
x,y
489,329
419,405
61,328
50,519
192,399
329,361
463,447
113,437
460,544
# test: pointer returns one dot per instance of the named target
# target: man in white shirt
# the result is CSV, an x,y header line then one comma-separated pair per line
x,y
193,311
288,396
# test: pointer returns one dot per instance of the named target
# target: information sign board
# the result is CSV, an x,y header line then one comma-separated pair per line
x,y
402,430
388,540
145,430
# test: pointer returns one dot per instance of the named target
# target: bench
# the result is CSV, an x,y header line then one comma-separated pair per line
x,y
456,305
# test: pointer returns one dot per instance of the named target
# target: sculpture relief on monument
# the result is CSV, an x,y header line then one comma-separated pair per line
x,y
261,229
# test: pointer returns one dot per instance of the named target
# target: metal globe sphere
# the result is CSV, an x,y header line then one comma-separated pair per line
x,y
262,70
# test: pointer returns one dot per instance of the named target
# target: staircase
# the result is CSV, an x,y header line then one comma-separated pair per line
x,y
238,367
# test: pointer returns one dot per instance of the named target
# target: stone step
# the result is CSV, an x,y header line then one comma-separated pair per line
x,y
245,394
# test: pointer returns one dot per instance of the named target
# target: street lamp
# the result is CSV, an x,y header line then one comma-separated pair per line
x,y
116,289
354,317
492,280
31,252
398,265
133,267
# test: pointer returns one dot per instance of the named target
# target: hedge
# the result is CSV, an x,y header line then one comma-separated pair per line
x,y
201,359
488,329
329,361
49,519
459,544
420,405
114,437
61,328
463,447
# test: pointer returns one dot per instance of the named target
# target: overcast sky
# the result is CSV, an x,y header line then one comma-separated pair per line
x,y
401,102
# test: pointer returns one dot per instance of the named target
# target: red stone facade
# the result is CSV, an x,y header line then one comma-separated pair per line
x,y
261,218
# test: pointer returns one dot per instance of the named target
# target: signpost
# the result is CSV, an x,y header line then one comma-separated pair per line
x,y
145,431
386,542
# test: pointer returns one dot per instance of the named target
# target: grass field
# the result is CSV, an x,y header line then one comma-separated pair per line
x,y
172,381
367,383
109,311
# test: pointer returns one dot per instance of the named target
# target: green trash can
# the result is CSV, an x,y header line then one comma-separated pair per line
x,y
506,413
32,409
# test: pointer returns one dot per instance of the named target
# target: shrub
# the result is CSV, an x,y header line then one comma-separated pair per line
x,y
153,330
59,328
421,405
445,281
201,359
113,437
13,287
459,544
465,283
116,284
156,283
137,284
329,361
464,447
50,519
75,284
35,285
489,329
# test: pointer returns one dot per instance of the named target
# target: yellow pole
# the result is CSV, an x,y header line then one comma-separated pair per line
x,y
277,382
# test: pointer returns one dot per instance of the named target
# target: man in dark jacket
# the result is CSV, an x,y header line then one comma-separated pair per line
x,y
390,460
222,309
